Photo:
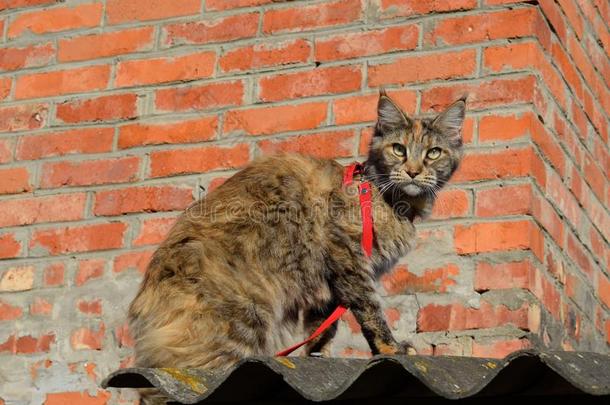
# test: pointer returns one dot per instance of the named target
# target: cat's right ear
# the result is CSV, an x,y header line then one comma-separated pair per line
x,y
389,116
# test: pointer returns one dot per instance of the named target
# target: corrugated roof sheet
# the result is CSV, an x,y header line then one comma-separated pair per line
x,y
290,379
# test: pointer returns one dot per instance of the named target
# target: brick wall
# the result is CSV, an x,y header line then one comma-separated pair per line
x,y
116,114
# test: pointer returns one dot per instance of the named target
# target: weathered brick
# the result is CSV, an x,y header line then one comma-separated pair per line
x,y
407,8
507,235
9,312
60,143
95,46
265,55
301,18
132,261
152,231
499,349
230,4
14,180
35,55
69,81
84,398
28,344
89,269
84,238
141,199
54,208
17,279
5,87
202,97
68,173
56,19
504,127
88,339
122,11
335,144
490,276
451,204
169,69
41,306
23,117
340,79
355,109
53,275
123,336
545,214
270,120
8,4
504,200
196,160
494,165
90,307
6,150
208,31
202,129
104,108
435,280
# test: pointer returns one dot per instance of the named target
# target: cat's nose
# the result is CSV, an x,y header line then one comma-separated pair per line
x,y
413,173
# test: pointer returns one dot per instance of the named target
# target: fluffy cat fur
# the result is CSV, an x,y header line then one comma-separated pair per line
x,y
262,260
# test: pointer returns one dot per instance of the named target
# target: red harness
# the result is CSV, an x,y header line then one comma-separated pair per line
x,y
366,211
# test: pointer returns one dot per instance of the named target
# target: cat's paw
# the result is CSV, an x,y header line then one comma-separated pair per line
x,y
406,348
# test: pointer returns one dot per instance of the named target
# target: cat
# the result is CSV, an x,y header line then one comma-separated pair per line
x,y
263,259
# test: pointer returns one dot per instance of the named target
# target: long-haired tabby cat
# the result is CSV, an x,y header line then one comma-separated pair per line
x,y
263,259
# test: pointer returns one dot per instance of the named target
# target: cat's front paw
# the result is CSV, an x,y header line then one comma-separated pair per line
x,y
406,348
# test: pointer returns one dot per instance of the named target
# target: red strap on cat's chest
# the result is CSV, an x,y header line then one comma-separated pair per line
x,y
366,210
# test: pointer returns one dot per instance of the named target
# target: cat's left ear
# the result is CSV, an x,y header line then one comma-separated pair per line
x,y
450,121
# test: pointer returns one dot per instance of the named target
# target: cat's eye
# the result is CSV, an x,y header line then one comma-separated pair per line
x,y
433,153
399,150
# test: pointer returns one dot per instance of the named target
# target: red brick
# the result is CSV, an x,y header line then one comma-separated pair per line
x,y
123,336
91,172
451,204
105,108
345,46
84,398
338,79
487,94
88,339
351,322
198,130
25,211
435,280
153,231
603,289
41,306
194,98
595,177
14,180
356,109
499,349
571,11
552,14
7,4
334,144
53,275
56,19
23,117
504,127
482,27
28,56
122,11
303,18
82,238
198,160
230,4
494,165
265,55
85,140
17,279
76,80
433,318
406,8
545,214
507,235
92,307
28,344
134,260
223,29
600,248
6,150
577,253
215,183
5,87
489,276
557,192
9,312
141,199
270,120
549,146
89,269
169,69
420,68
504,200
95,46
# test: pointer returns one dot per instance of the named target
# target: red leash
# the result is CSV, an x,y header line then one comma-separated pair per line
x,y
366,210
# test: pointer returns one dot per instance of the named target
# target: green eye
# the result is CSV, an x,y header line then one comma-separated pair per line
x,y
433,153
399,150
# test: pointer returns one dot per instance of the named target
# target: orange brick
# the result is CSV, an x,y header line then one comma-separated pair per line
x,y
492,236
355,109
122,11
340,79
550,147
9,312
514,56
95,46
153,231
169,69
265,55
345,46
89,269
406,8
104,108
504,127
14,180
141,199
61,174
198,130
335,144
5,87
418,68
499,349
494,165
86,140
223,29
490,276
603,289
35,55
92,307
269,120
84,238
54,208
23,117
132,261
53,275
7,4
27,344
197,160
303,18
200,97
578,254
451,204
76,80
41,306
6,150
88,339
436,280
505,200
56,19
229,4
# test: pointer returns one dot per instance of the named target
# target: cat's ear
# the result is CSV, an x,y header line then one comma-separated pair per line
x,y
389,115
450,121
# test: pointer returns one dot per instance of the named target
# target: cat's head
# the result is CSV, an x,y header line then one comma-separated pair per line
x,y
418,156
